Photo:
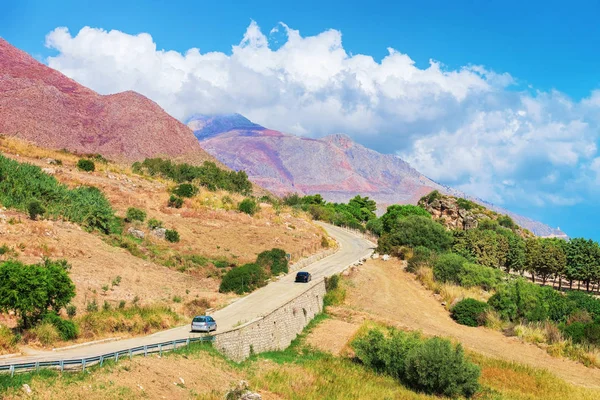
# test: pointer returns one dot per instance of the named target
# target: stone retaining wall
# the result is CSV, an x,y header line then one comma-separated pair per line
x,y
274,331
309,260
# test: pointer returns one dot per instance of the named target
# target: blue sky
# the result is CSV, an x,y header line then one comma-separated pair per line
x,y
535,91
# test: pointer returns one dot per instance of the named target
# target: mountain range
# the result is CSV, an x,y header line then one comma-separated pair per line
x,y
41,105
334,166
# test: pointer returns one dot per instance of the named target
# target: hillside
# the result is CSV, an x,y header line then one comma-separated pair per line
x,y
334,166
148,271
42,105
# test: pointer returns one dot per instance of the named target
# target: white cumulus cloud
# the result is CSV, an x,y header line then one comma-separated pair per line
x,y
466,127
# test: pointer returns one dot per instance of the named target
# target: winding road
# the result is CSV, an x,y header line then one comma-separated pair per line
x,y
351,249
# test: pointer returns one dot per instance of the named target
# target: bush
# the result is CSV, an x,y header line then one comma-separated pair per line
x,y
375,226
448,267
575,331
478,275
175,202
469,312
71,310
439,368
332,282
248,206
135,214
46,333
433,366
92,306
35,209
421,257
67,329
86,165
243,279
154,224
592,333
520,300
185,190
275,261
21,184
172,235
413,231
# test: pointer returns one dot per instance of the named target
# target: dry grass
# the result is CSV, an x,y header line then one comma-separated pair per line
x,y
450,294
7,340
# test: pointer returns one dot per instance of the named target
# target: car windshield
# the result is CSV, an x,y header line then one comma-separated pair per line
x,y
302,273
200,319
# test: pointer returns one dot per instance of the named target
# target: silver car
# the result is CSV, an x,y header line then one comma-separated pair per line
x,y
204,323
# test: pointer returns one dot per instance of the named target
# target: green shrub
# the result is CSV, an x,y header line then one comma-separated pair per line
x,y
86,165
185,190
67,329
575,331
243,279
207,175
422,257
176,299
106,306
71,310
592,333
4,249
135,214
396,212
175,202
92,306
248,206
431,197
375,226
521,300
154,223
437,367
172,235
20,184
477,275
507,222
332,282
35,209
448,267
413,231
432,366
31,290
469,312
274,260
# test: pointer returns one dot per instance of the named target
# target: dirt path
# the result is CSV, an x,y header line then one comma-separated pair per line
x,y
383,289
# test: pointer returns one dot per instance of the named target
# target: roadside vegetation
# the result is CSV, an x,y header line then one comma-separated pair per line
x,y
479,275
355,214
304,372
249,277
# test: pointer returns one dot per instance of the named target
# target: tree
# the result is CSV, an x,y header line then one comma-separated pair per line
x,y
248,206
86,165
416,230
583,261
545,257
32,290
396,211
34,209
364,209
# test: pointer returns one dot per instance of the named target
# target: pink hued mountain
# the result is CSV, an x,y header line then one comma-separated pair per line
x,y
41,105
334,166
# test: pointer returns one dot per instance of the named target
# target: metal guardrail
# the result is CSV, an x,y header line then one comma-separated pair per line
x,y
89,361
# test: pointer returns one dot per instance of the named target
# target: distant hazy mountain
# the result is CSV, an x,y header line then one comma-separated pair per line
x,y
39,104
334,166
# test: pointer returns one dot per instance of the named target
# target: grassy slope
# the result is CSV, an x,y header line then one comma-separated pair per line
x,y
208,226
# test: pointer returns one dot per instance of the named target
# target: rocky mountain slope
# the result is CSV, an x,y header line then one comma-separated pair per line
x,y
39,104
334,166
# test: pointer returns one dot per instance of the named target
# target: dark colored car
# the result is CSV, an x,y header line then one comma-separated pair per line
x,y
204,323
303,277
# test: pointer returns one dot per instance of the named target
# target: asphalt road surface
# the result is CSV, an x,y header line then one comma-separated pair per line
x,y
352,248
